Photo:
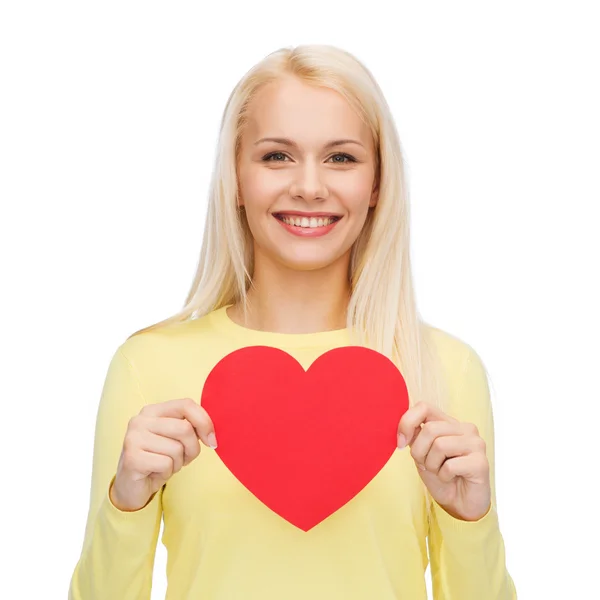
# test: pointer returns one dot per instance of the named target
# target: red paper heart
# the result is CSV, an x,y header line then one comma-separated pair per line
x,y
305,442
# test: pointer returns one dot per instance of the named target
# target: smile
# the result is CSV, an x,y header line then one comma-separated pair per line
x,y
307,226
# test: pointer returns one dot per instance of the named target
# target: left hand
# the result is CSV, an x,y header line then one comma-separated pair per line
x,y
451,460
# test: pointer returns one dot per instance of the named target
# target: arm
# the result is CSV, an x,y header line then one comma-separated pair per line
x,y
117,557
468,557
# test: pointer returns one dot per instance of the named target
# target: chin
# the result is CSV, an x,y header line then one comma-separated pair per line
x,y
307,263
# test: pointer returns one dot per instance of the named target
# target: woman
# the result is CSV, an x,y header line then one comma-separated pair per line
x,y
306,249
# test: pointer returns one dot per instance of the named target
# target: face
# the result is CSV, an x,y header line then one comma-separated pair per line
x,y
305,199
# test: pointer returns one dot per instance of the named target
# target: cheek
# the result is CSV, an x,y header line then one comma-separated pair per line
x,y
358,204
259,189
356,192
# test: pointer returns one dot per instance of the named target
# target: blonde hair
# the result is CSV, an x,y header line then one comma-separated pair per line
x,y
382,310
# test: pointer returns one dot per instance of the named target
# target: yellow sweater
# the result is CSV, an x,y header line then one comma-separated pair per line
x,y
224,544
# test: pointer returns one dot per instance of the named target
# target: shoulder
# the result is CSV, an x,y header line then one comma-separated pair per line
x,y
455,353
165,344
169,360
464,371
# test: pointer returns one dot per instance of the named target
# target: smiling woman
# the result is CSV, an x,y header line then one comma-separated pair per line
x,y
305,181
305,251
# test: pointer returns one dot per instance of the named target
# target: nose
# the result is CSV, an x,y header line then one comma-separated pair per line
x,y
308,184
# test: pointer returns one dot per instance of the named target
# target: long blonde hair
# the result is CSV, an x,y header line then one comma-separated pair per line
x,y
382,310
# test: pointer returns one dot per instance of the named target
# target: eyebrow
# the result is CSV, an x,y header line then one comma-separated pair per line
x,y
288,142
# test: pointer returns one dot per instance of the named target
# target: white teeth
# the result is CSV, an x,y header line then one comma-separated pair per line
x,y
311,222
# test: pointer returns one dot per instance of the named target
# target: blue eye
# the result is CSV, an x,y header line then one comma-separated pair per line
x,y
269,156
350,158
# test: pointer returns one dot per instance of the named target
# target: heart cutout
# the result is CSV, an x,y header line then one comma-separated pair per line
x,y
305,442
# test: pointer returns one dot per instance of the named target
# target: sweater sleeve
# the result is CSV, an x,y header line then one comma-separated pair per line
x,y
467,558
117,557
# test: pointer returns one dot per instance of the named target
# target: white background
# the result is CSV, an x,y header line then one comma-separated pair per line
x,y
108,124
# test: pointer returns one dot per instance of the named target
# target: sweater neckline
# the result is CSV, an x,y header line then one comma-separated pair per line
x,y
257,337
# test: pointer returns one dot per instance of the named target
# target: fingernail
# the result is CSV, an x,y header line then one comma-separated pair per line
x,y
401,440
212,440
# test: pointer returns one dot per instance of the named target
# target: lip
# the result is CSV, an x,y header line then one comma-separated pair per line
x,y
308,231
299,213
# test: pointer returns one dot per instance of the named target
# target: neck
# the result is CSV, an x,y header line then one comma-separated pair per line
x,y
290,301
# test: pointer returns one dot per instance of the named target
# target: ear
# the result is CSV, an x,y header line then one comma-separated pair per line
x,y
374,196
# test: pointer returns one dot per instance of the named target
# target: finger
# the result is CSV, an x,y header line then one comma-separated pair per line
x,y
429,435
186,408
474,467
445,448
156,464
159,444
414,417
178,429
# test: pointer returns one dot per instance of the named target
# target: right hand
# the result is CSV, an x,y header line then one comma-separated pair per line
x,y
159,441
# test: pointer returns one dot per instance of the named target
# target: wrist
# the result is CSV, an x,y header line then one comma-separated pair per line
x,y
118,502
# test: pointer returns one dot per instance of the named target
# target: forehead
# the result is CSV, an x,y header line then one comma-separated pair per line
x,y
304,112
